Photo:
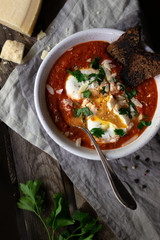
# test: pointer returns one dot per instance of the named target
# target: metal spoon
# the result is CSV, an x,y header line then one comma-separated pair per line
x,y
119,189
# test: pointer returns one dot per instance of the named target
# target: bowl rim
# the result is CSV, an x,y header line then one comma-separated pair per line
x,y
56,135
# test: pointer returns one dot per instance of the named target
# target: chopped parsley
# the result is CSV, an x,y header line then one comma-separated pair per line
x,y
97,132
95,63
87,93
120,132
98,77
143,123
102,90
125,111
81,77
131,104
130,94
85,111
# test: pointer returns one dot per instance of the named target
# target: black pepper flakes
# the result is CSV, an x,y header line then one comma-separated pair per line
x,y
147,159
136,180
137,157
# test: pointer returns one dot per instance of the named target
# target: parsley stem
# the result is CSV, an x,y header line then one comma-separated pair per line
x,y
53,234
38,215
73,235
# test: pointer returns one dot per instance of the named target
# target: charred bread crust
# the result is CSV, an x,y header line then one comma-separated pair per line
x,y
120,49
141,65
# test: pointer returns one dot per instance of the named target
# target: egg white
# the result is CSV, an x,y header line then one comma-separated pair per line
x,y
74,88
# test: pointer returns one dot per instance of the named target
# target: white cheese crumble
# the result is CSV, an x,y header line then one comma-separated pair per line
x,y
59,91
50,89
78,142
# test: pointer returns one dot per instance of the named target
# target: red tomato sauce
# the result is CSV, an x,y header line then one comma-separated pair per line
x,y
63,116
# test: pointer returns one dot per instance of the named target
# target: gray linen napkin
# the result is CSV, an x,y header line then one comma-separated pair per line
x,y
88,176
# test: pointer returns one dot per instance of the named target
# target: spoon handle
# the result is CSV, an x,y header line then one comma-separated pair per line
x,y
119,189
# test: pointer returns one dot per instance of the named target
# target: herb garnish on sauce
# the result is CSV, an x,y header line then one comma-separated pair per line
x,y
87,93
97,132
120,132
85,111
143,123
81,77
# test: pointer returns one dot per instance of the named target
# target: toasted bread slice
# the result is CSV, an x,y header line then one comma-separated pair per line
x,y
141,65
120,49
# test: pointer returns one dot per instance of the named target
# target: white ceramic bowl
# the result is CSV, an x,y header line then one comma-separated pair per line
x,y
102,34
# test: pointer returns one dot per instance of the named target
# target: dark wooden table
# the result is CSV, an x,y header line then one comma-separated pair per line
x,y
20,161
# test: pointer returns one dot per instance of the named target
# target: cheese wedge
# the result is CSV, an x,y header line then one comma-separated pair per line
x,y
12,51
20,15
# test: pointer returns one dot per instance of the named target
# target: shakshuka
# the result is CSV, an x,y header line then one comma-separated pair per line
x,y
84,88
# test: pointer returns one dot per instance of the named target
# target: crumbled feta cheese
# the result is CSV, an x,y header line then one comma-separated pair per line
x,y
50,89
78,142
59,91
67,102
136,102
88,60
66,134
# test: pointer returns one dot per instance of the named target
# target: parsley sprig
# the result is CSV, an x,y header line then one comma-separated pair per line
x,y
143,124
85,111
101,73
81,77
125,111
120,132
87,93
32,200
97,132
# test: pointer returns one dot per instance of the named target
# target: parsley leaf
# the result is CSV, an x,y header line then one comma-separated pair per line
x,y
143,123
85,226
120,132
60,215
98,77
134,107
130,94
125,111
81,77
97,132
86,93
95,63
85,111
33,199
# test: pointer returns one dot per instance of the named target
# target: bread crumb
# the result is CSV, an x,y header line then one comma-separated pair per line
x,y
41,35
